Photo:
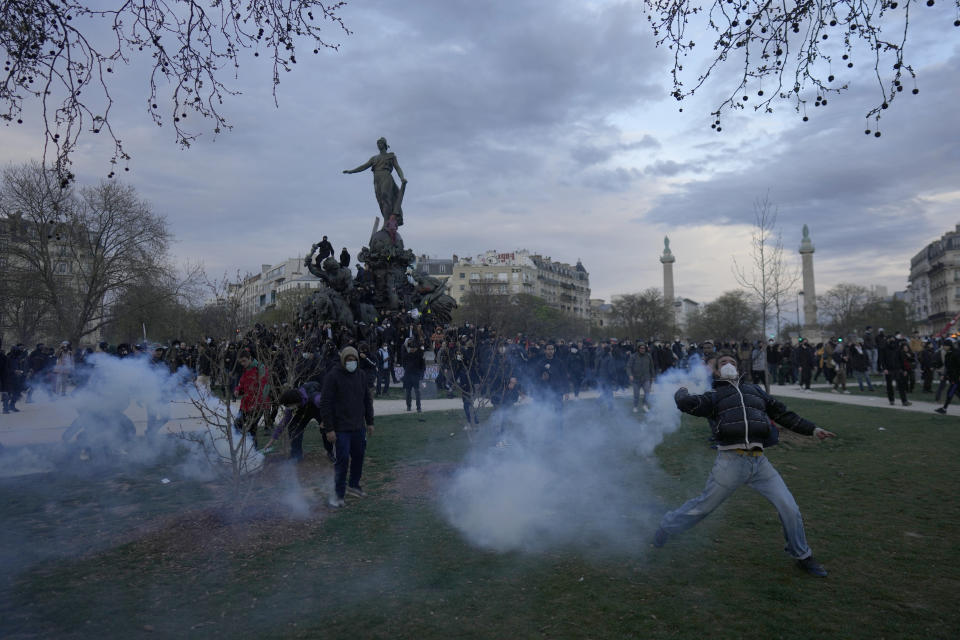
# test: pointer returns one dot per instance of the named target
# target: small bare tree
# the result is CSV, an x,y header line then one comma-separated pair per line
x,y
476,367
770,278
231,453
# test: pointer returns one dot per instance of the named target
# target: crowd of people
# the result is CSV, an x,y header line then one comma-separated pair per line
x,y
472,361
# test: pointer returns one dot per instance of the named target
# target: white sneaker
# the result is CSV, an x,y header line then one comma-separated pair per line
x,y
847,392
356,491
336,502
635,410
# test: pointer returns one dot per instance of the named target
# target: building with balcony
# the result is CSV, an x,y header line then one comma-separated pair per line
x,y
934,290
441,268
563,286
258,292
38,261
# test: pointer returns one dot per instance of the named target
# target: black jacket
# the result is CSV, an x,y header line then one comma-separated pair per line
x,y
889,357
740,413
551,375
345,402
805,356
413,366
951,363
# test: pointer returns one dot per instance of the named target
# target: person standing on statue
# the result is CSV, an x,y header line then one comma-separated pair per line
x,y
389,196
324,250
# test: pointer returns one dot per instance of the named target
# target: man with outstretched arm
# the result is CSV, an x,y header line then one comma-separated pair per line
x,y
740,415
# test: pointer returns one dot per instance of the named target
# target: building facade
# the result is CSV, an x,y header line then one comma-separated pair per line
x,y
564,287
601,313
441,268
682,309
258,292
934,290
25,313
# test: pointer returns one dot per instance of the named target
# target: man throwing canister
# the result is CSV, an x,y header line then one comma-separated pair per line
x,y
740,415
346,407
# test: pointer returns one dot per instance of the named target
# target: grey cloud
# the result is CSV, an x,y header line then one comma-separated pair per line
x,y
669,168
850,189
616,180
590,154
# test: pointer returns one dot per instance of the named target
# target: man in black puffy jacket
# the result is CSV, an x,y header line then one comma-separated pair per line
x,y
740,415
346,405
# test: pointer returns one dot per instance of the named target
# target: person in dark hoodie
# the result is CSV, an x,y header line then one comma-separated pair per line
x,y
346,406
413,367
740,415
300,406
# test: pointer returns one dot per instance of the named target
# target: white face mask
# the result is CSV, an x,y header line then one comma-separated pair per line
x,y
728,372
351,366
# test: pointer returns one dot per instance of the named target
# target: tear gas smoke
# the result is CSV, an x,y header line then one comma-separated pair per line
x,y
582,479
103,433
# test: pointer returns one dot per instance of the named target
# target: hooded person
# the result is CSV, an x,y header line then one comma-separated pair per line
x,y
300,406
346,409
739,414
411,359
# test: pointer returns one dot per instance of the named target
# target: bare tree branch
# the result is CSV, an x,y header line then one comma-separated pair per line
x,y
769,277
797,51
53,54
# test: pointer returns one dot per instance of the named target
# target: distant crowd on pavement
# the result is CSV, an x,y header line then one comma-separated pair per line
x,y
470,361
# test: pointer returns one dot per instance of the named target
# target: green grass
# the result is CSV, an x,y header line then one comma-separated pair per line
x,y
880,391
880,509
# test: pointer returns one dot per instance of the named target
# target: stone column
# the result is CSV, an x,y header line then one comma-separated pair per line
x,y
809,290
667,260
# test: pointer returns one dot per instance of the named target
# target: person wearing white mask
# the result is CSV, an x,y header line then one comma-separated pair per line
x,y
740,415
346,405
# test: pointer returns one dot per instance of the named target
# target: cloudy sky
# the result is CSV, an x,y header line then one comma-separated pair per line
x,y
546,126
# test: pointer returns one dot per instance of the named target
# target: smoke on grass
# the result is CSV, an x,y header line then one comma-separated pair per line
x,y
582,479
101,435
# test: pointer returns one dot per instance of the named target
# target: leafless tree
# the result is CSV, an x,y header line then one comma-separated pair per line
x,y
844,304
231,452
62,55
165,302
795,51
770,278
480,370
643,315
730,318
22,315
80,250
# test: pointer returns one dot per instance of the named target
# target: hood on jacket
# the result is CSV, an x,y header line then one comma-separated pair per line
x,y
347,352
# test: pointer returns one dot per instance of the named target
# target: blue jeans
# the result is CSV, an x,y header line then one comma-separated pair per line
x,y
351,446
637,386
729,472
862,377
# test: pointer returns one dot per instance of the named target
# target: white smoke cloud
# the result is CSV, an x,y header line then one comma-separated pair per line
x,y
583,480
104,434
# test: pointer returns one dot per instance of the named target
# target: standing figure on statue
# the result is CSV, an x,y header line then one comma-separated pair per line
x,y
389,196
